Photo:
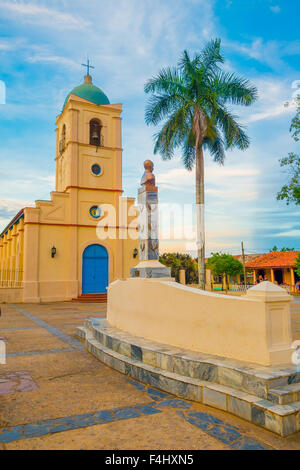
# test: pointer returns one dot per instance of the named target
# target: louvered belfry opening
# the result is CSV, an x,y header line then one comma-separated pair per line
x,y
95,132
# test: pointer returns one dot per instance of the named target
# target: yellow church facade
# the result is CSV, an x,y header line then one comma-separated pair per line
x,y
68,247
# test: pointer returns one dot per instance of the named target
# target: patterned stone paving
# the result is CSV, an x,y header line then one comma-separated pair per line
x,y
63,398
213,426
35,353
67,339
19,329
16,382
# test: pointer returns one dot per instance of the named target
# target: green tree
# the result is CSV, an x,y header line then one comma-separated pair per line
x,y
192,100
297,262
282,249
223,265
177,261
291,192
295,125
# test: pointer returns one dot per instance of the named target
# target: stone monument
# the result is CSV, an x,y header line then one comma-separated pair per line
x,y
149,265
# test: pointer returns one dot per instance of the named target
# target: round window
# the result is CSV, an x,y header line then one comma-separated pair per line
x,y
96,169
95,212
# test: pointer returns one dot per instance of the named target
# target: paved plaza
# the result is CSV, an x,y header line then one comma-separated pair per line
x,y
54,395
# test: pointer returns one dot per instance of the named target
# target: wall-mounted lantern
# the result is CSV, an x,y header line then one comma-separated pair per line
x,y
135,253
53,252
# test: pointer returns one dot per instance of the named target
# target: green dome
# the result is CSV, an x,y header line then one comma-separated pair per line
x,y
89,92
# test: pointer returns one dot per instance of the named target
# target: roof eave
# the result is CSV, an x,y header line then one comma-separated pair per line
x,y
13,221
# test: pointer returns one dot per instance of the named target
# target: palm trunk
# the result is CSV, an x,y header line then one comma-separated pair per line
x,y
200,215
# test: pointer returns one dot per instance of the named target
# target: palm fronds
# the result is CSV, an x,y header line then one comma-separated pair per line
x,y
198,86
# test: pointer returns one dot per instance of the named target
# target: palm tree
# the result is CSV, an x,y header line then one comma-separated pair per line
x,y
192,99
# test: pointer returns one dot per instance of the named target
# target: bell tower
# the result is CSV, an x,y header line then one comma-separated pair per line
x,y
88,142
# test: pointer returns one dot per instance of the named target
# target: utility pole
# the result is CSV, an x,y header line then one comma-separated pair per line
x,y
243,258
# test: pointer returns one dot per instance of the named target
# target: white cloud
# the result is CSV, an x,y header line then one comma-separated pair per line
x,y
252,49
269,113
128,41
289,233
6,45
137,38
12,44
274,94
33,13
268,52
216,240
26,187
10,207
224,183
275,9
53,59
237,193
37,180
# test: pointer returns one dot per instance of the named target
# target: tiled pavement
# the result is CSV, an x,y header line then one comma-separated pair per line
x,y
54,395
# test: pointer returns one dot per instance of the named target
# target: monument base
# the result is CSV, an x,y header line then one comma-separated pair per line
x,y
151,269
267,396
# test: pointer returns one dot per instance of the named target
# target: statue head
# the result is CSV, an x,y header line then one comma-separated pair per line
x,y
148,165
148,178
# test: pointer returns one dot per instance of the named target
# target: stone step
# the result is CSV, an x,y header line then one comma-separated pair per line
x,y
246,377
96,294
285,395
281,419
97,298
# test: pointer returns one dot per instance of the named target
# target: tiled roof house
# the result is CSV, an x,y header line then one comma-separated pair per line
x,y
276,266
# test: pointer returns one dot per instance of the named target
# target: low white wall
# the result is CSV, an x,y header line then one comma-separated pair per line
x,y
167,312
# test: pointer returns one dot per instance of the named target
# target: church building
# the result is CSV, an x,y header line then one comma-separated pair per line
x,y
65,249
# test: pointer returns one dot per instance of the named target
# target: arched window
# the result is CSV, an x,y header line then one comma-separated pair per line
x,y
62,142
95,132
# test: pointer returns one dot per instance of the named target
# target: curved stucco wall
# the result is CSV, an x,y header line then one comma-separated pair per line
x,y
170,313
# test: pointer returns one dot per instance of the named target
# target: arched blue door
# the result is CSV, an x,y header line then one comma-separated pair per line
x,y
94,270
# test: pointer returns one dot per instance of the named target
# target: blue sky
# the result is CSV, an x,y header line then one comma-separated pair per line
x,y
42,46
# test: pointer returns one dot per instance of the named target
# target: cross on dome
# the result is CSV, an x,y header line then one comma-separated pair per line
x,y
88,66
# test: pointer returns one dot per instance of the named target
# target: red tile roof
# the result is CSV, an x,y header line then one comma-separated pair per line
x,y
274,259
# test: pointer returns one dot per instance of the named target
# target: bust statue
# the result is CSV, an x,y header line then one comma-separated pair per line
x,y
148,178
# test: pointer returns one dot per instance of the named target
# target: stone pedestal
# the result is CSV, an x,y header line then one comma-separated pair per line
x,y
148,223
149,266
151,269
278,320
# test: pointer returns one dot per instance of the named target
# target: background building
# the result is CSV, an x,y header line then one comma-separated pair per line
x,y
277,266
